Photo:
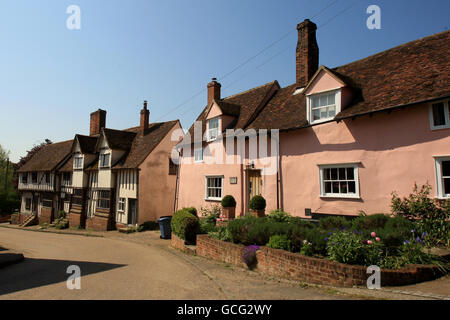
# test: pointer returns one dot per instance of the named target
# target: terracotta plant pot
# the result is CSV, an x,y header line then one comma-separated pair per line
x,y
258,213
229,212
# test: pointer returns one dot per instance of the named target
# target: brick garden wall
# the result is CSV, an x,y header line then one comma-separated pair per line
x,y
179,244
294,266
45,216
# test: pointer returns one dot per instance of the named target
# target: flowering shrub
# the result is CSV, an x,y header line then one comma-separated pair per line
x,y
432,217
307,248
249,255
351,248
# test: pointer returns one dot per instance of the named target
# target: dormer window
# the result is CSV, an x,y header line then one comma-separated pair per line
x,y
78,162
104,160
213,129
323,106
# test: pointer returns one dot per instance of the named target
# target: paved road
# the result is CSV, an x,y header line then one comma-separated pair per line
x,y
116,268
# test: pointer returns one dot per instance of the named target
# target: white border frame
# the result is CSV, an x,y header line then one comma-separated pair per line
x,y
355,166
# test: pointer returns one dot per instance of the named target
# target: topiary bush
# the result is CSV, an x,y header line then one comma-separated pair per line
x,y
228,202
257,203
191,210
279,241
185,225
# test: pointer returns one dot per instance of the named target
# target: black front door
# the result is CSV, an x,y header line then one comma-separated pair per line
x,y
132,211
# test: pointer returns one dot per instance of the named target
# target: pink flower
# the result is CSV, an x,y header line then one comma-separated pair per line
x,y
378,239
369,242
373,234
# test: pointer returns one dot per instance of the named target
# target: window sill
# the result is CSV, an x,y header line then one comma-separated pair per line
x,y
341,197
321,121
447,126
213,199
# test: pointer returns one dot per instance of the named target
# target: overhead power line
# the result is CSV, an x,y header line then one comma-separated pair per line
x,y
259,53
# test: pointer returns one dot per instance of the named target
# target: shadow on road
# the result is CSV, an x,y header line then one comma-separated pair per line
x,y
32,273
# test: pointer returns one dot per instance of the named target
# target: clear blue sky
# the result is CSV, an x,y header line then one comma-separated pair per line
x,y
164,51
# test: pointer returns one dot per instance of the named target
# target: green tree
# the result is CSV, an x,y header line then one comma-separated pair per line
x,y
9,198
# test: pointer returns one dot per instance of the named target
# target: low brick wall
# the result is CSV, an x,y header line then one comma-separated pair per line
x,y
5,218
295,266
99,223
179,244
76,220
19,218
45,216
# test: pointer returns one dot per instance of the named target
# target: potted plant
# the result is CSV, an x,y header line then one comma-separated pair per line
x,y
228,207
257,206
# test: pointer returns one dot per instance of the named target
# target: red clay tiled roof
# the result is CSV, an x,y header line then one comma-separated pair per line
x,y
119,139
142,146
250,103
87,143
49,157
411,73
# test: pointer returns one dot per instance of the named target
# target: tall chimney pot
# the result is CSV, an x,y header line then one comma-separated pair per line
x,y
213,90
98,122
145,117
307,53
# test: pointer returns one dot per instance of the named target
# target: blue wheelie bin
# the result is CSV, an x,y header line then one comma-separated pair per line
x,y
164,227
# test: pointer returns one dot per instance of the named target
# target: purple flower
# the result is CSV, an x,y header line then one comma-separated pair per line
x,y
406,242
424,234
326,239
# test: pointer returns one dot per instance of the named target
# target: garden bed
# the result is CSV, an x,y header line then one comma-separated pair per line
x,y
294,266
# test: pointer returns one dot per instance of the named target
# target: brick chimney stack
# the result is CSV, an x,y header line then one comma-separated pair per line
x,y
98,121
213,90
145,117
307,54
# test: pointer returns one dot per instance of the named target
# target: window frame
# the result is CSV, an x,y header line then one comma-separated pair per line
x,y
221,177
439,177
28,200
101,197
33,179
24,178
196,150
355,167
101,160
208,129
78,157
337,104
446,115
67,181
121,204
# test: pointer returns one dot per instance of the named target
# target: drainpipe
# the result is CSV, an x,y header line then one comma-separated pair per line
x,y
177,183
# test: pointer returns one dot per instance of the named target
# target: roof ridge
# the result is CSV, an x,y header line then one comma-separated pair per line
x,y
151,123
246,91
393,48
